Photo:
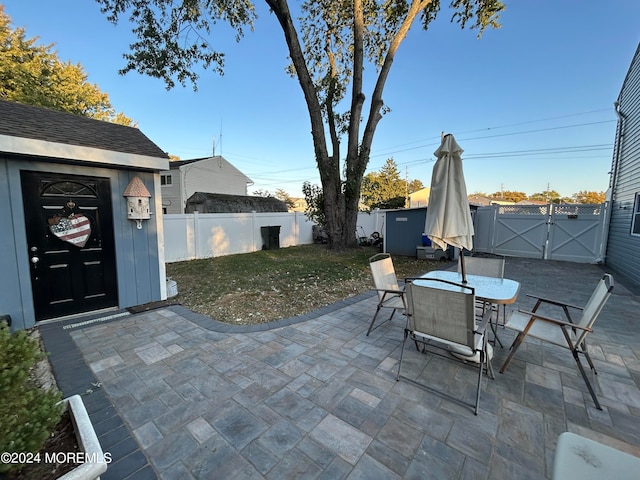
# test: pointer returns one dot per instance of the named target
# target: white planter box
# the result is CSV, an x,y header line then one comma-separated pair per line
x,y
87,442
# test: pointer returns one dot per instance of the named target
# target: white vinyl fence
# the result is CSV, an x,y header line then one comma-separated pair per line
x,y
554,232
204,235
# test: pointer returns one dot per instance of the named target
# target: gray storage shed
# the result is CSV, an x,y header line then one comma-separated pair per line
x,y
71,244
403,231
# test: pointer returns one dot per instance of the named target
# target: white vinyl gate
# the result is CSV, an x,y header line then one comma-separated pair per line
x,y
553,232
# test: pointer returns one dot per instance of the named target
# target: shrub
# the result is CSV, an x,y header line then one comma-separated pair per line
x,y
315,203
28,413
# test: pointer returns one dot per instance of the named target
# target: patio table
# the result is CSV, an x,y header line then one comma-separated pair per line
x,y
500,291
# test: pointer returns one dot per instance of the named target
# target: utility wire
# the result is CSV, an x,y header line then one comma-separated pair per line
x,y
494,136
437,139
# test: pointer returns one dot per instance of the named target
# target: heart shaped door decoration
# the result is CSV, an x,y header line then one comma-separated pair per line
x,y
74,229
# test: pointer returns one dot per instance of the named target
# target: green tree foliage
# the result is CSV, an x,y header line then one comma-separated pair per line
x,y
33,74
329,47
315,205
509,196
395,202
280,194
549,196
415,185
383,185
285,197
28,414
385,188
584,196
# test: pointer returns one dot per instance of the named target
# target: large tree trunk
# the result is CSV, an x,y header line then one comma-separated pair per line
x,y
341,200
359,151
328,165
354,165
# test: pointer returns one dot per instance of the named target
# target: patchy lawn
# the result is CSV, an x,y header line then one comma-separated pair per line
x,y
273,284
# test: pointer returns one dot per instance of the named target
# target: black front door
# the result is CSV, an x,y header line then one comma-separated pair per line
x,y
70,241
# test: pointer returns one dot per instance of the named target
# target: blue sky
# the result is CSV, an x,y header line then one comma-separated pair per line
x,y
531,103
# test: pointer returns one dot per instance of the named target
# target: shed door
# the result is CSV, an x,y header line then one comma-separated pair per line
x,y
70,243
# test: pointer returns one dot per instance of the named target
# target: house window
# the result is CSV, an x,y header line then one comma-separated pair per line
x,y
165,179
635,221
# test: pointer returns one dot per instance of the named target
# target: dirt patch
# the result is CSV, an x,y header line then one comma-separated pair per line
x,y
249,306
58,446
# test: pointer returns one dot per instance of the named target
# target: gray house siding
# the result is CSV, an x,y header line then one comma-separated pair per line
x,y
11,284
137,250
623,248
172,194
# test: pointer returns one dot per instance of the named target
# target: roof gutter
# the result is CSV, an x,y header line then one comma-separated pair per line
x,y
54,151
618,147
612,181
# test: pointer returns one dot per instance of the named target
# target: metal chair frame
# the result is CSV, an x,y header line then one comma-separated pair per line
x,y
574,334
441,316
488,267
390,295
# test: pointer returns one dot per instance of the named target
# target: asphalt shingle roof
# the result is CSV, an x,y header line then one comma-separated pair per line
x,y
39,123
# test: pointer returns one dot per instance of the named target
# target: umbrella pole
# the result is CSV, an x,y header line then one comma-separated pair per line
x,y
463,270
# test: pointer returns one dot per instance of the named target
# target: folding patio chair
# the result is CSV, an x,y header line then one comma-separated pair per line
x,y
568,334
487,267
441,314
390,295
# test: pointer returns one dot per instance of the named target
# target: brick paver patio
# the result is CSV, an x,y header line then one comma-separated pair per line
x,y
177,395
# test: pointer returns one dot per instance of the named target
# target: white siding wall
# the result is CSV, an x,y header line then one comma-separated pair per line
x,y
213,175
623,249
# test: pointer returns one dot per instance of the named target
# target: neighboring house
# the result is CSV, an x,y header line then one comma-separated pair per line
x,y
67,245
531,202
186,177
221,203
623,245
481,201
419,198
299,205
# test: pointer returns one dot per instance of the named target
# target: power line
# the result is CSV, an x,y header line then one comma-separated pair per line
x,y
558,150
497,135
437,139
555,151
541,120
477,156
540,130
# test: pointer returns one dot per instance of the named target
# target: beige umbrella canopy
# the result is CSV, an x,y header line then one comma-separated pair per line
x,y
448,215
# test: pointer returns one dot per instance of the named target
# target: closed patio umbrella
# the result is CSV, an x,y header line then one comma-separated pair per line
x,y
448,215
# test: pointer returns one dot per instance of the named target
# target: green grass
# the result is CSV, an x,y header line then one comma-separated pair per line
x,y
272,284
